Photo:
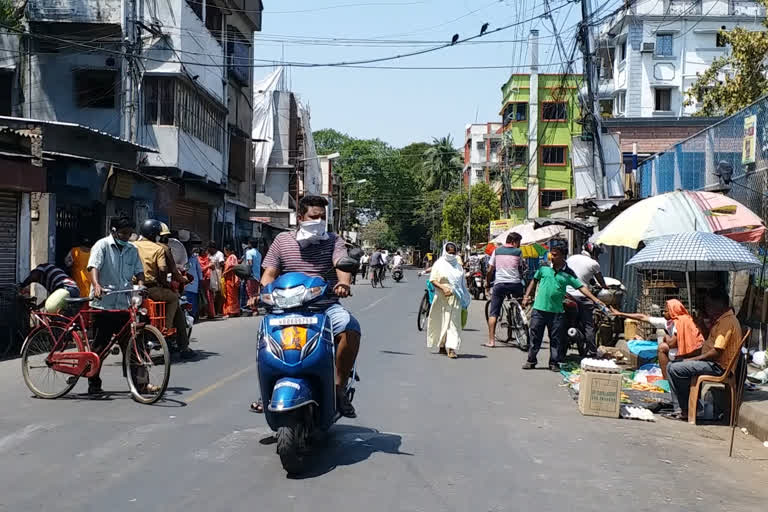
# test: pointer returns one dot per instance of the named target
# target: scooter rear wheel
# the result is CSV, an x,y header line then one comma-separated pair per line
x,y
290,445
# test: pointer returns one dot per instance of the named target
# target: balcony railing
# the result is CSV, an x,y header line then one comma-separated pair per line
x,y
108,12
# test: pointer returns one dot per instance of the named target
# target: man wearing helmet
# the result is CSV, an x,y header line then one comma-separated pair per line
x,y
156,265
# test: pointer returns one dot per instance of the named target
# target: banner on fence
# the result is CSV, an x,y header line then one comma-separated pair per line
x,y
748,147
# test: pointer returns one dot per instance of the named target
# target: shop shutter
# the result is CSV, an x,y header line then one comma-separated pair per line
x,y
194,217
9,229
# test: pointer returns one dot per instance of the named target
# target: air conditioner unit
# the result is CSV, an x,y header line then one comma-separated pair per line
x,y
648,48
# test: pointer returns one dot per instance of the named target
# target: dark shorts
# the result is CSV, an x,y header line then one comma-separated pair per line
x,y
500,292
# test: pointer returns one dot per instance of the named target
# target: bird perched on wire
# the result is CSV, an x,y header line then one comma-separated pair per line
x,y
483,28
455,39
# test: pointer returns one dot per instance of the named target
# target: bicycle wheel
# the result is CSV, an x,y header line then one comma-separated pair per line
x,y
373,279
518,326
40,378
421,319
502,324
147,365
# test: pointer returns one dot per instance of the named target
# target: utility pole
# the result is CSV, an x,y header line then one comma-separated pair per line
x,y
532,205
129,85
592,104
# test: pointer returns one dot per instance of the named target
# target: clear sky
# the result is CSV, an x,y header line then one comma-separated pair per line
x,y
404,106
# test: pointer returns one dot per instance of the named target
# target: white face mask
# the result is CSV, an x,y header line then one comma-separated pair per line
x,y
450,258
312,230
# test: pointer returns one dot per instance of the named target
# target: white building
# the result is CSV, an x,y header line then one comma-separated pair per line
x,y
482,151
650,54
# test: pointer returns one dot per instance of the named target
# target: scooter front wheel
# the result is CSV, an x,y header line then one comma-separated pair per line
x,y
290,447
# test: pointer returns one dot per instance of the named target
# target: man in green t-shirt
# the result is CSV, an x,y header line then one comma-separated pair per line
x,y
548,307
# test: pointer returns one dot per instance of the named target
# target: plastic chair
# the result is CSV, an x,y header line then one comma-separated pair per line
x,y
729,378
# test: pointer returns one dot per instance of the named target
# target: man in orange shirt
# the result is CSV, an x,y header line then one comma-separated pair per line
x,y
722,344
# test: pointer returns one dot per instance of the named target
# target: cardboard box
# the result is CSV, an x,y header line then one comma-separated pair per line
x,y
600,394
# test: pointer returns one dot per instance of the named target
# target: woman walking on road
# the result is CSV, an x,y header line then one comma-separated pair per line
x,y
232,282
451,296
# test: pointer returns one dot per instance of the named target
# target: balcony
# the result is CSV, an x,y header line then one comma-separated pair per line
x,y
105,12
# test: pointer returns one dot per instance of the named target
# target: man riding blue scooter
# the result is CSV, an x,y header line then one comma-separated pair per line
x,y
313,251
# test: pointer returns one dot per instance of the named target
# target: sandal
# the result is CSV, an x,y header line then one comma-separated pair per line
x,y
676,416
452,354
442,351
487,345
257,407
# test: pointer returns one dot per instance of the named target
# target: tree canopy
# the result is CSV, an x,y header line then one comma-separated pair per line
x,y
736,80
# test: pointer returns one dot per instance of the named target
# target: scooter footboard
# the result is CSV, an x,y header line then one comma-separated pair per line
x,y
289,394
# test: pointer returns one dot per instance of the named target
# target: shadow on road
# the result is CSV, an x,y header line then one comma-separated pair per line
x,y
396,353
472,356
200,355
346,445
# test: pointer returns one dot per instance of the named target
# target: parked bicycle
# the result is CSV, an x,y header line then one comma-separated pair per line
x,y
512,323
58,351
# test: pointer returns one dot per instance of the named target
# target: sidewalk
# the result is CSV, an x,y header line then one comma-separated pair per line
x,y
753,414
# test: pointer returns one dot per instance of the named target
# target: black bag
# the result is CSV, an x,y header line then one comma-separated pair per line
x,y
243,271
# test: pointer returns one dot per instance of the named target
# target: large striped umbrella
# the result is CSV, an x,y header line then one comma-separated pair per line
x,y
681,211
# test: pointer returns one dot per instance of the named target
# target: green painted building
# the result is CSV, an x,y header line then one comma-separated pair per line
x,y
538,129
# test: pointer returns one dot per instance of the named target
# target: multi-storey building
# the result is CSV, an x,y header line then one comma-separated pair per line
x,y
482,152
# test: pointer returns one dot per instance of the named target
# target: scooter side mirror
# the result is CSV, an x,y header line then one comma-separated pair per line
x,y
348,264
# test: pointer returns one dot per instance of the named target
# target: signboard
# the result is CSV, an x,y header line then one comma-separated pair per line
x,y
748,147
501,225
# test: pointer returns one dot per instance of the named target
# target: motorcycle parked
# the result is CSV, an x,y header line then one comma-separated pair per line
x,y
575,331
296,363
397,273
477,285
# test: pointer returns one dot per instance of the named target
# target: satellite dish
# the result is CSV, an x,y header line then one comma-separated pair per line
x,y
178,251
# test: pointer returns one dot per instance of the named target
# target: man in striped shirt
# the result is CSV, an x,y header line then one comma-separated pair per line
x,y
313,251
51,278
505,270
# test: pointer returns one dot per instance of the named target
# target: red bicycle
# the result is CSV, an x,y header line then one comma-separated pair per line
x,y
57,352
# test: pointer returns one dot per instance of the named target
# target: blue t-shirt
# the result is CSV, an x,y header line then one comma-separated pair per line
x,y
253,256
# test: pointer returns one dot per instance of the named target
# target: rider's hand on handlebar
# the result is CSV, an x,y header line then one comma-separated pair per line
x,y
526,301
97,291
342,290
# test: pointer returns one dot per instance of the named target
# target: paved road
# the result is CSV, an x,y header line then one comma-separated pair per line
x,y
433,434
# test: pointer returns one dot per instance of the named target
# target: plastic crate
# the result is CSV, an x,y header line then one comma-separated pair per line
x,y
156,313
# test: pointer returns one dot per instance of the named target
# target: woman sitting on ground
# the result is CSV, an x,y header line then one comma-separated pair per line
x,y
682,335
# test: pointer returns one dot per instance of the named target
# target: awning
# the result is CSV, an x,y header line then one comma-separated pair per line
x,y
576,225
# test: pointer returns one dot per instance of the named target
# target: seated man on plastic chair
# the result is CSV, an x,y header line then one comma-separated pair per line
x,y
712,358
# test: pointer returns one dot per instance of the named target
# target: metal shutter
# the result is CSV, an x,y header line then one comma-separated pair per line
x,y
193,217
9,229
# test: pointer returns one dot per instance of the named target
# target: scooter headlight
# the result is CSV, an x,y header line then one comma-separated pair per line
x,y
313,293
266,298
289,297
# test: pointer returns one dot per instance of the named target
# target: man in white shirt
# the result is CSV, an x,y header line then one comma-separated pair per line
x,y
586,267
397,260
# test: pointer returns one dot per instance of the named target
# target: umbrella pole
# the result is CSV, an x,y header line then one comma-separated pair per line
x,y
688,285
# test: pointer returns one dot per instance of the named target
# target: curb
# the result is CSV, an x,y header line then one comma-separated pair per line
x,y
754,417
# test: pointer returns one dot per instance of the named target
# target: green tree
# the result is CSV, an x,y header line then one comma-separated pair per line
x,y
736,80
10,15
485,208
378,233
442,165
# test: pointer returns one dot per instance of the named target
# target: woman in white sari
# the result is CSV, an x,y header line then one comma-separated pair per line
x,y
451,296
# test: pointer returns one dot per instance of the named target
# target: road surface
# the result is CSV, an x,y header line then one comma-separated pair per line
x,y
432,434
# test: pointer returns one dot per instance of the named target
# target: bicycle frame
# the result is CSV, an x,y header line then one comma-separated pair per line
x,y
86,363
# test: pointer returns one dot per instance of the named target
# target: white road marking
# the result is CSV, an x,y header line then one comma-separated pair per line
x,y
373,304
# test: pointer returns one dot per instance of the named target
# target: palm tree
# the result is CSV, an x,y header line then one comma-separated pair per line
x,y
442,165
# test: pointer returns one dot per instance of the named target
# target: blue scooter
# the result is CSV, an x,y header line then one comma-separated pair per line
x,y
296,362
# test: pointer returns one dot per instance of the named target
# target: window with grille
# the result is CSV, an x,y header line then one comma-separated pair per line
x,y
554,111
550,196
514,112
171,102
518,198
518,155
664,45
553,155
